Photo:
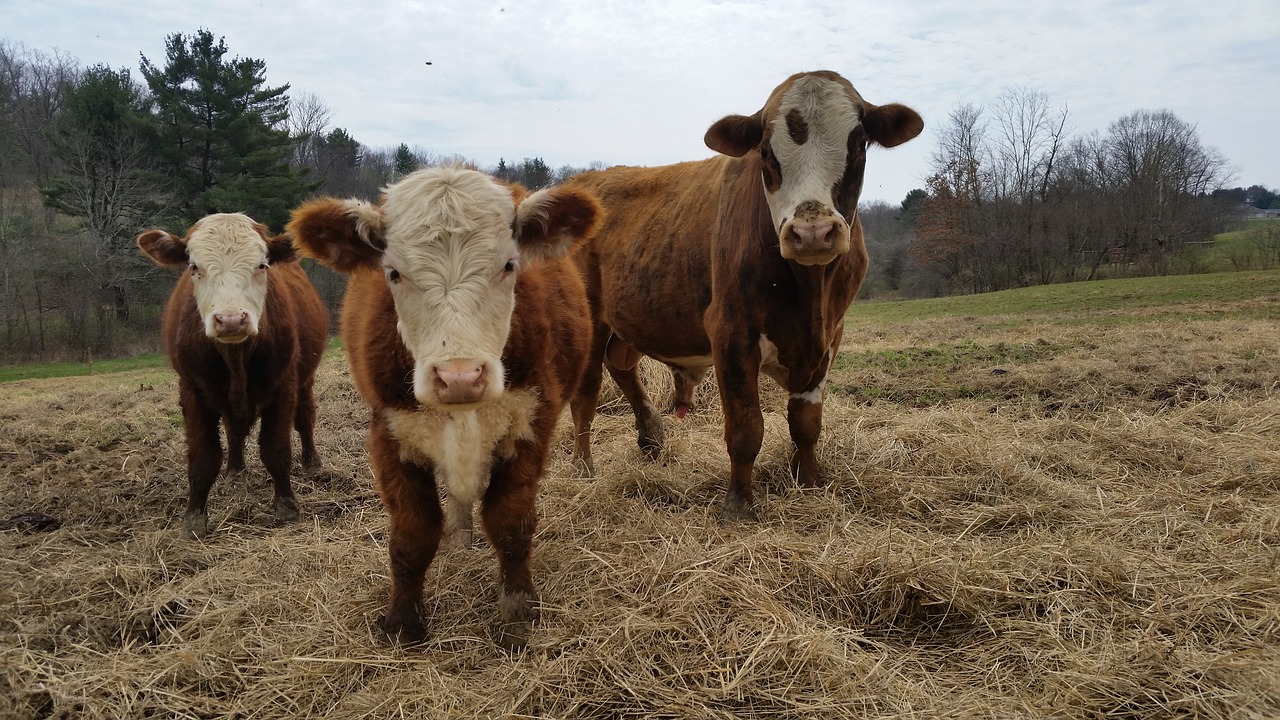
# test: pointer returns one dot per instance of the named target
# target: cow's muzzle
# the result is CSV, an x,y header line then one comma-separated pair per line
x,y
458,381
814,235
232,327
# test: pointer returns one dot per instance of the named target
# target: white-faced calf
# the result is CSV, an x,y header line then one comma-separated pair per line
x,y
245,331
466,333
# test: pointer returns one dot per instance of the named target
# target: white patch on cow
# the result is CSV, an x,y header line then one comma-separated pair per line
x,y
769,364
461,445
228,259
449,245
814,396
811,169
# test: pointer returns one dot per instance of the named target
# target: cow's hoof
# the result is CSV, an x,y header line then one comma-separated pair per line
x,y
737,509
285,509
517,612
649,435
585,467
404,628
195,525
311,461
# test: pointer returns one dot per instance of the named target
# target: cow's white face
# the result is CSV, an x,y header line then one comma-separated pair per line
x,y
227,259
451,262
450,243
812,137
226,256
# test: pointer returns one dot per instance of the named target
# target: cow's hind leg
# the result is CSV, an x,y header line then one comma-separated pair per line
x,y
584,402
237,431
457,522
304,421
204,461
510,516
622,358
414,529
277,456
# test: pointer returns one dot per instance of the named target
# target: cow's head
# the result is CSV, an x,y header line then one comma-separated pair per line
x,y
227,256
450,243
812,136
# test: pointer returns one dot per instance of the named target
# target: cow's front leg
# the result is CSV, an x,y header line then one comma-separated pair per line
x,y
804,418
510,516
414,528
277,455
204,461
737,375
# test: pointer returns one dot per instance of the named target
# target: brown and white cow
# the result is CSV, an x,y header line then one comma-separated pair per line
x,y
467,333
745,261
245,331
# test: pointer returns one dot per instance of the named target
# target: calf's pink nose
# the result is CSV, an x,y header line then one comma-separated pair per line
x,y
230,323
458,381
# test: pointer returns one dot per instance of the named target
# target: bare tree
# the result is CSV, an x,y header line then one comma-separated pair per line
x,y
308,124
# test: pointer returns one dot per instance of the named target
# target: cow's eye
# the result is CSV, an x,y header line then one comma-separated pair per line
x,y
393,276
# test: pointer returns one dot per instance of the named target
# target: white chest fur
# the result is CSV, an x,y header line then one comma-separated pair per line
x,y
461,445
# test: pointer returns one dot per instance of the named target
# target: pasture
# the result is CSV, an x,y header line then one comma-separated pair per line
x,y
1053,502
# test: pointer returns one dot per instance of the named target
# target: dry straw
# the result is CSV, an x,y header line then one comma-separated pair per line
x,y
1091,530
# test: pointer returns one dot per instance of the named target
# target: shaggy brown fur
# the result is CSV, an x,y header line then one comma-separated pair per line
x,y
270,376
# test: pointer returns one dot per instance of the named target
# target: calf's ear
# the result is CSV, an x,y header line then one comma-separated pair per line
x,y
280,249
549,222
891,124
735,135
164,249
345,235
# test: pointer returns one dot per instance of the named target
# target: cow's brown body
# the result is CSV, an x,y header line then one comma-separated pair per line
x,y
687,269
267,377
542,360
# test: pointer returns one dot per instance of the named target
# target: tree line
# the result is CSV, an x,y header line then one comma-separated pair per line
x,y
1014,199
89,156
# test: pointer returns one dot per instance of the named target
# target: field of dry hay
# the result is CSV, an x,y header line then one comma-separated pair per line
x,y
1044,517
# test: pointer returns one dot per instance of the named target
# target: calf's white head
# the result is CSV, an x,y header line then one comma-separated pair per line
x,y
450,244
227,256
812,138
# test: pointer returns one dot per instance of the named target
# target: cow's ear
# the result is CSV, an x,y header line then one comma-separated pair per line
x,y
735,135
891,124
164,249
280,250
549,222
345,235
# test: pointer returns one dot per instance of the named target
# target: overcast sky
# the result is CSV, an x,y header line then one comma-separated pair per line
x,y
638,81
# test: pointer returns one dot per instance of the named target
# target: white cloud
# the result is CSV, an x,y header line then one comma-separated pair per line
x,y
638,82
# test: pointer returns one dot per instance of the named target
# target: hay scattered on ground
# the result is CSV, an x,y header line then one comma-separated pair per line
x,y
1088,529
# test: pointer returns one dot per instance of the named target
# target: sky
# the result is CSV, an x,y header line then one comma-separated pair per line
x,y
638,82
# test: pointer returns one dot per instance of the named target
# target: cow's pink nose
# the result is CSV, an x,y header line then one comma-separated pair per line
x,y
810,236
458,381
231,323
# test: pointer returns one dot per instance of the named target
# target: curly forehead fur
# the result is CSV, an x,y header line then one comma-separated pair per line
x,y
447,200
